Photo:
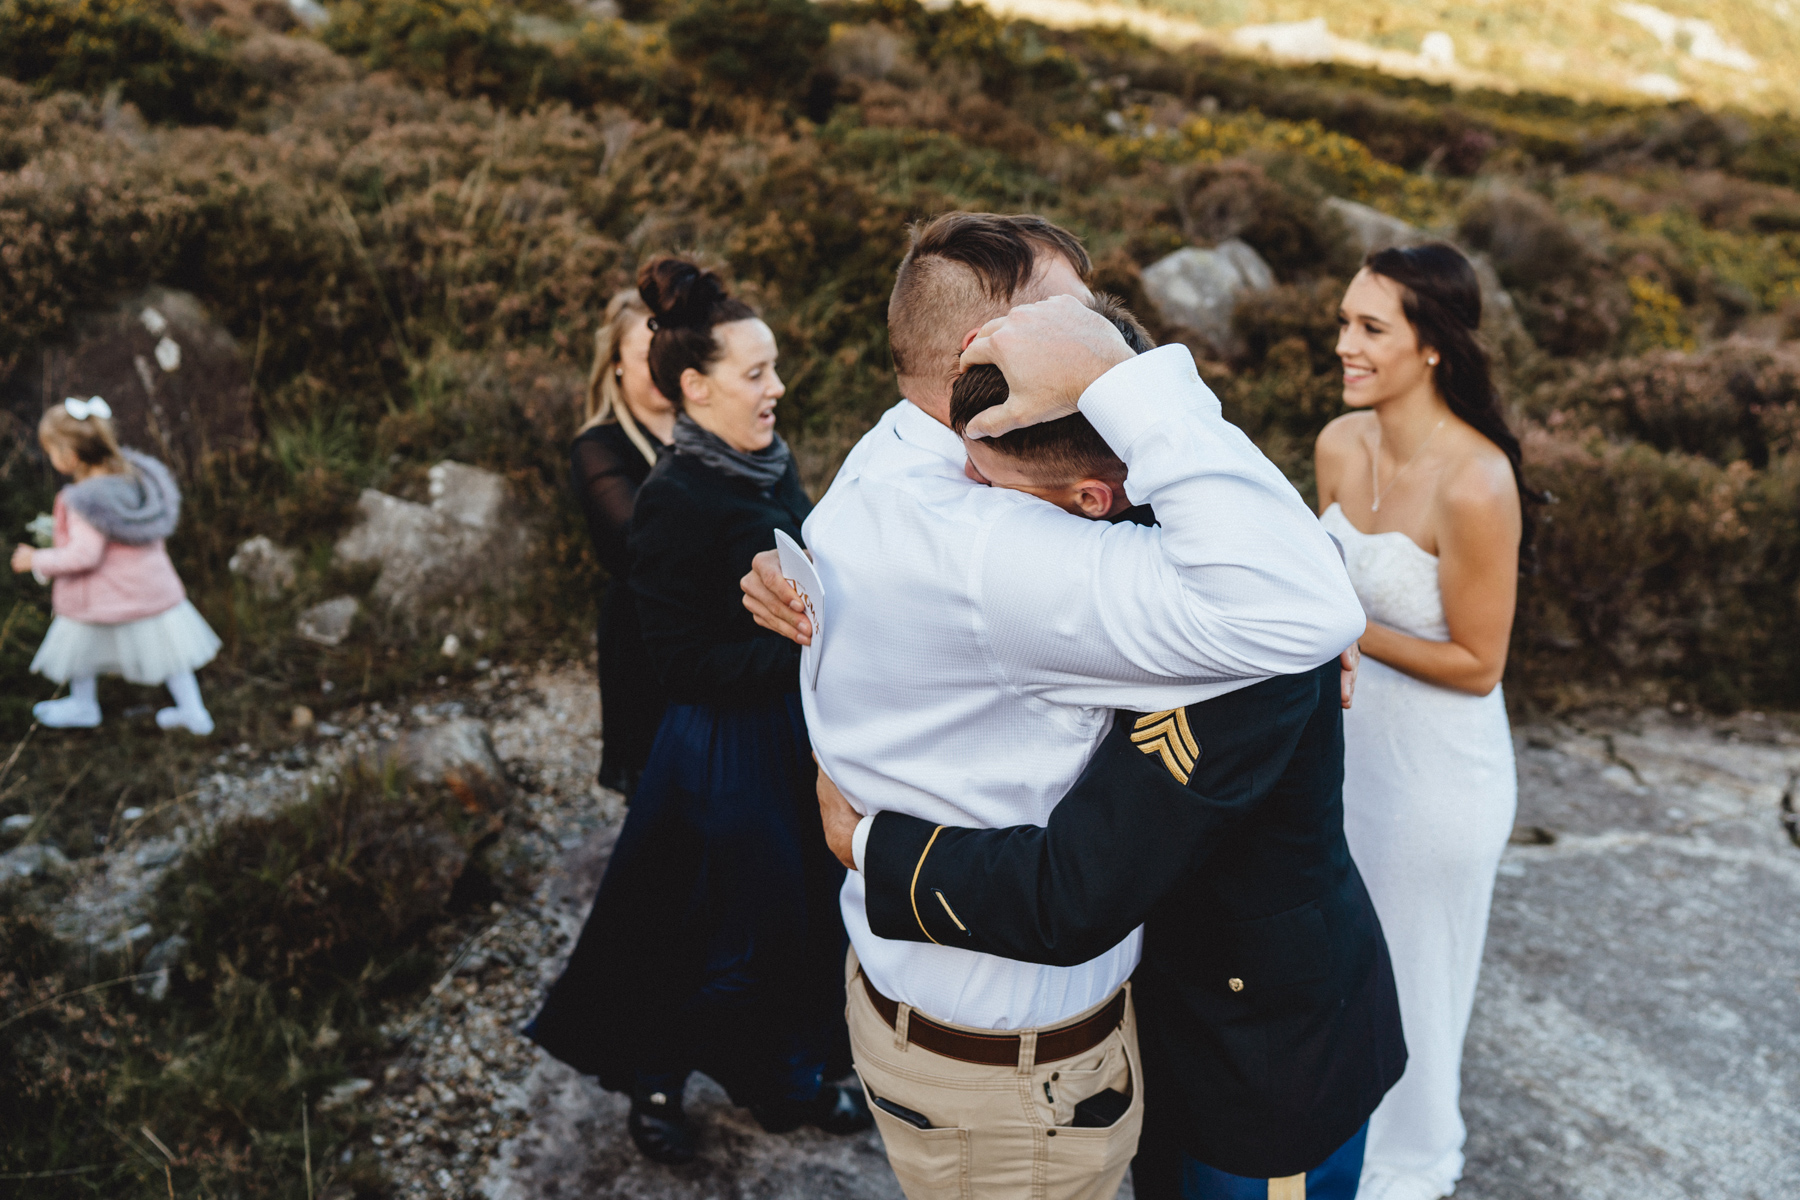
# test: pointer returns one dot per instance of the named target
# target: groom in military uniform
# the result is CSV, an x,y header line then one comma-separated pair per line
x,y
1269,1023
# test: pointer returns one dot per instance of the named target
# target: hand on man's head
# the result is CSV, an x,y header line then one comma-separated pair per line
x,y
1050,352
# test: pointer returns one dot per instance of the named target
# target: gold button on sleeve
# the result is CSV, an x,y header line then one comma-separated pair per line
x,y
1236,985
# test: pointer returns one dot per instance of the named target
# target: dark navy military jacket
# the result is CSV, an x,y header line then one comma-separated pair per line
x,y
1267,1013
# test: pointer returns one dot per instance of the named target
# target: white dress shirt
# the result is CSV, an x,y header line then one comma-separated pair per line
x,y
976,640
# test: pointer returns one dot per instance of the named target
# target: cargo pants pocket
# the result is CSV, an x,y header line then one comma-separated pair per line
x,y
931,1164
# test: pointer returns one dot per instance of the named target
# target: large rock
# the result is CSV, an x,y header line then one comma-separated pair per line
x,y
269,569
328,622
460,755
1198,289
1371,230
32,861
460,543
178,383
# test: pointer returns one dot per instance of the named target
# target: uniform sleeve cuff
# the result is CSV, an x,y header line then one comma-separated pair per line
x,y
859,840
1127,401
890,859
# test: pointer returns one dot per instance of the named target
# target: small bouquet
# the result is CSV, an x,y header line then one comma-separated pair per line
x,y
41,529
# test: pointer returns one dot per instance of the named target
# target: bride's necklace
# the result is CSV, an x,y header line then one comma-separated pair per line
x,y
1375,466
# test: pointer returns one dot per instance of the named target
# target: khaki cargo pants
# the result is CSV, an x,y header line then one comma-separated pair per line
x,y
998,1133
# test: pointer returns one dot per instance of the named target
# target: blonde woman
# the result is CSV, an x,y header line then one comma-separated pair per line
x,y
627,425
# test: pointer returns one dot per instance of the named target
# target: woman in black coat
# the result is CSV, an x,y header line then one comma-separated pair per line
x,y
626,426
715,943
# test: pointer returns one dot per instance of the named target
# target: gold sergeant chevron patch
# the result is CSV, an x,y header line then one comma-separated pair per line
x,y
1167,733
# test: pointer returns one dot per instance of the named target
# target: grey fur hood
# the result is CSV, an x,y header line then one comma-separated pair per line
x,y
137,508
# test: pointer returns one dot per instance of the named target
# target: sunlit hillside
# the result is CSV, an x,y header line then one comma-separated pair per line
x,y
1744,52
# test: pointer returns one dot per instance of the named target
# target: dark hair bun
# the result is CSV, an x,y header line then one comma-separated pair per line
x,y
680,294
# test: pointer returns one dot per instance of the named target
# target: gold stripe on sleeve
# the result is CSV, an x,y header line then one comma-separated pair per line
x,y
913,892
1167,734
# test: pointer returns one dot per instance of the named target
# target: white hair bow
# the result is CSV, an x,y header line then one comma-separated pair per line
x,y
81,410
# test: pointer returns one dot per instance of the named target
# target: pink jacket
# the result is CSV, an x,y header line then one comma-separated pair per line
x,y
102,582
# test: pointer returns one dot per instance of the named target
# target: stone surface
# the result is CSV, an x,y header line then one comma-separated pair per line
x,y
468,495
328,622
1371,229
1635,1034
1198,289
1637,1029
153,972
269,569
453,547
459,754
177,381
32,861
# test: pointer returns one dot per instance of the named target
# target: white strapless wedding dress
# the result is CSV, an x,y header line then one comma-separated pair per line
x,y
1430,790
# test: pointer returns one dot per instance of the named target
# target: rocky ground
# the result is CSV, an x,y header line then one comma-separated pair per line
x,y
1635,1035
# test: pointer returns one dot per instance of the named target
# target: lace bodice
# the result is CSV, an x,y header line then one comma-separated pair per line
x,y
1396,581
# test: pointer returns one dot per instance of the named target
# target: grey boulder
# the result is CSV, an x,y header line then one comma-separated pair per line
x,y
1198,289
328,623
460,755
459,544
269,569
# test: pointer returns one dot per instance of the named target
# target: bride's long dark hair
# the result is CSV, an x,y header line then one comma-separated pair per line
x,y
1441,297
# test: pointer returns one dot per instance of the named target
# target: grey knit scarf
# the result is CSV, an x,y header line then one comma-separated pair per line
x,y
763,467
140,506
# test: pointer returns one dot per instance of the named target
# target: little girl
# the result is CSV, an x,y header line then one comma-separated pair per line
x,y
120,608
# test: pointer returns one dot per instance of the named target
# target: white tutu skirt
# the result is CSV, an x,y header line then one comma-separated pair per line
x,y
150,651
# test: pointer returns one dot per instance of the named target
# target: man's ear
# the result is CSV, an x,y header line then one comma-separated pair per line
x,y
1095,498
967,338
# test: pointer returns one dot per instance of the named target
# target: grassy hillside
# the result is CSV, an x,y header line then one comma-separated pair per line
x,y
1741,53
411,220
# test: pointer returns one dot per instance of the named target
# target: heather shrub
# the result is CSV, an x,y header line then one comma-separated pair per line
x,y
1732,402
1568,295
139,46
761,47
301,929
1287,225
1660,570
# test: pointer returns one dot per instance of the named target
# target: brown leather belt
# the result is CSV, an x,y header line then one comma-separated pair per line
x,y
1001,1049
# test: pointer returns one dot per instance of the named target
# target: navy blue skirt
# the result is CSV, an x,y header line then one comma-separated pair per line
x,y
715,942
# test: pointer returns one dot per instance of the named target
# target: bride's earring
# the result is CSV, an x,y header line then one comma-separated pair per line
x,y
1432,361
619,373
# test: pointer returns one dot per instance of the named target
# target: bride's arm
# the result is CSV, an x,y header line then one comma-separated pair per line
x,y
1478,573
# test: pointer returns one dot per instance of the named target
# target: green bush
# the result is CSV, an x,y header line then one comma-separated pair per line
x,y
1729,403
302,928
139,46
1660,573
759,47
463,47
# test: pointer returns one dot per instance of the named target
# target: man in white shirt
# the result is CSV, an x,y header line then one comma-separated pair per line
x,y
976,642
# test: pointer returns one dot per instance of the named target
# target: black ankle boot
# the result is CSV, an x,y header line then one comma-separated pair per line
x,y
836,1109
661,1130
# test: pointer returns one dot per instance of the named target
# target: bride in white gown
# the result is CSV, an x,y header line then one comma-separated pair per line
x,y
1421,485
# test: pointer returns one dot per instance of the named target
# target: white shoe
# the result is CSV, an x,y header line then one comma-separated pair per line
x,y
71,712
200,722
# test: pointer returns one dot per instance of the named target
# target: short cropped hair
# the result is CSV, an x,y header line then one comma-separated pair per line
x,y
1000,251
1069,447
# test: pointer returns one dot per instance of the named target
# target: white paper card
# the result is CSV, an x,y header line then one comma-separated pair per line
x,y
800,572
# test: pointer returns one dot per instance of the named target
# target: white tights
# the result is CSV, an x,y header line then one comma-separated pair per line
x,y
80,709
